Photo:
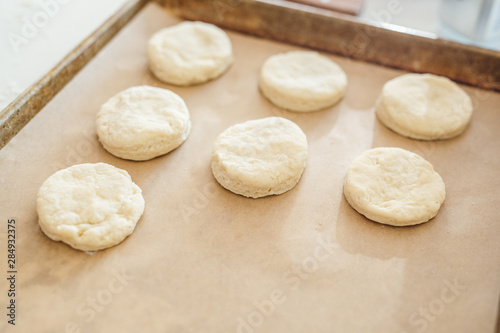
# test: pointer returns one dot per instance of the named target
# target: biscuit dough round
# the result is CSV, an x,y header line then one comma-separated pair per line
x,y
424,107
302,81
89,206
394,186
143,122
260,157
189,53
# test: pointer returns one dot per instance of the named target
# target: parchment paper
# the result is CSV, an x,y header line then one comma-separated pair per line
x,y
203,259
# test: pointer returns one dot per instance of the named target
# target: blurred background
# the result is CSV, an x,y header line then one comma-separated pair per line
x,y
37,34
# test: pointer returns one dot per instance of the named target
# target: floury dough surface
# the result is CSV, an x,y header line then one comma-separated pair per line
x,y
424,106
302,81
89,206
394,186
260,157
189,53
143,122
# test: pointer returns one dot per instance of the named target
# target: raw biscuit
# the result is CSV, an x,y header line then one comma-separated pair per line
x,y
143,122
302,81
189,53
260,157
89,206
394,186
424,107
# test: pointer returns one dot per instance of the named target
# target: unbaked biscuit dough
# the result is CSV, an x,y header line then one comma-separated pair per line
x,y
89,206
143,122
424,106
302,81
394,186
260,157
189,53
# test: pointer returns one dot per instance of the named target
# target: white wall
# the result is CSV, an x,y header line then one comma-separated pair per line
x,y
36,34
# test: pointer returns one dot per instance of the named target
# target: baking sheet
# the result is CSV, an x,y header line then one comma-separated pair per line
x,y
203,259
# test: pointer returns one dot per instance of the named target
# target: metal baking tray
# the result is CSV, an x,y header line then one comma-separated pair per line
x,y
170,273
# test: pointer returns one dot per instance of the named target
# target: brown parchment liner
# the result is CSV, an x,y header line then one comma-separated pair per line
x,y
203,259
